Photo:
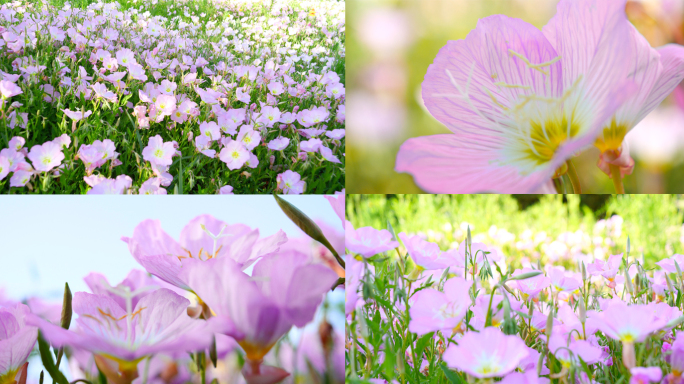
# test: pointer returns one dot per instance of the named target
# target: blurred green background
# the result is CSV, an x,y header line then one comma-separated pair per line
x,y
390,45
551,228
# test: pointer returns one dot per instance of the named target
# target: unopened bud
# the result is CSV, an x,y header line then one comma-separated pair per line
x,y
628,245
549,324
628,283
584,272
470,241
582,311
526,275
66,307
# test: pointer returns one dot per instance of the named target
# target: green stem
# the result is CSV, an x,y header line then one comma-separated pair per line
x,y
574,179
617,179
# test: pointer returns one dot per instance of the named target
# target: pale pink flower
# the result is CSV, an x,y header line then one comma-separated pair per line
x,y
210,129
489,353
530,287
607,269
561,281
425,254
368,241
152,187
9,89
268,116
249,137
20,178
77,115
47,156
234,154
4,167
328,154
278,144
125,57
290,183
226,190
669,263
102,91
433,310
627,323
645,375
165,104
276,88
158,151
507,92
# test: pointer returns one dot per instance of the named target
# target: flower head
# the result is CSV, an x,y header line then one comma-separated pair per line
x,y
158,151
291,183
17,339
368,241
234,154
489,353
434,310
47,156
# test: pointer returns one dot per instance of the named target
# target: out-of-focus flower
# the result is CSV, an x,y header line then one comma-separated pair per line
x,y
440,311
489,353
203,238
17,338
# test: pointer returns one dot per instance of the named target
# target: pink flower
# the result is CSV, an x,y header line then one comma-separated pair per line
x,y
290,183
606,269
513,132
368,241
226,190
104,186
433,310
311,145
17,338
627,323
645,375
102,91
337,203
489,353
278,144
4,167
9,89
210,129
234,154
231,120
20,178
78,115
589,353
669,263
276,88
125,57
158,323
152,187
164,257
561,281
424,253
268,116
530,287
283,290
159,152
249,137
328,154
47,156
165,104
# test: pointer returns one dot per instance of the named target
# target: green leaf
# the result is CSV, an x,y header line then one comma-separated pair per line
x,y
48,362
452,376
390,359
422,343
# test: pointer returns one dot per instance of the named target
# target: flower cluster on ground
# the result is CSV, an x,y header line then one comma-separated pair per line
x,y
219,96
417,313
216,304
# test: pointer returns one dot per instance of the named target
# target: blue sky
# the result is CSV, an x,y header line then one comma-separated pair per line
x,y
48,240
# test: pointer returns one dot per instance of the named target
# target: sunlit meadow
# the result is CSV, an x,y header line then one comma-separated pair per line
x,y
483,289
157,97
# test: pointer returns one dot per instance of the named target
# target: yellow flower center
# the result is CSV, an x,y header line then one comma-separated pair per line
x,y
612,137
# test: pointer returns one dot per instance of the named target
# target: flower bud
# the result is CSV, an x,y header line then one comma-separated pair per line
x,y
584,272
66,307
582,311
549,324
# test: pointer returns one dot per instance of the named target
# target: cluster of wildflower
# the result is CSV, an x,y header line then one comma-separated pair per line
x,y
220,291
416,313
250,95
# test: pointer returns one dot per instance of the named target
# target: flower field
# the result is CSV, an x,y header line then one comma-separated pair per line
x,y
190,96
576,302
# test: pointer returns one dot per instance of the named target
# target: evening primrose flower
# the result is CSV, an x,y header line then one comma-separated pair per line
x,y
4,167
17,339
279,143
440,311
234,154
249,137
210,129
77,115
9,89
368,241
489,353
425,254
203,238
283,290
121,336
290,183
607,269
46,156
520,101
627,323
158,151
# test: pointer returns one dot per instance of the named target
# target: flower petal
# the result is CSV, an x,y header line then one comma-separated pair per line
x,y
672,59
